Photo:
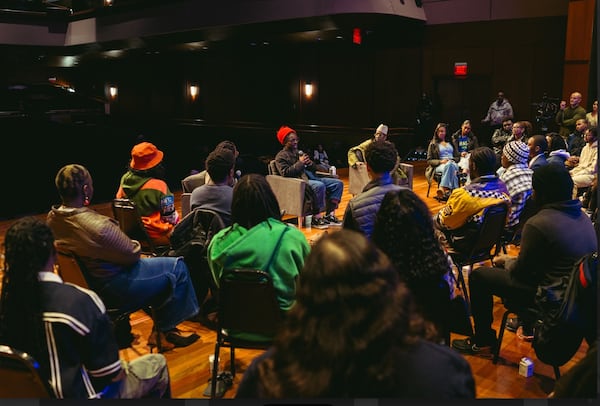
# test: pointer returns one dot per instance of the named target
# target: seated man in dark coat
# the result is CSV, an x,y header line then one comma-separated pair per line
x,y
553,239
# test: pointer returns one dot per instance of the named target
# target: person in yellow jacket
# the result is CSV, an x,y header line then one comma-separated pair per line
x,y
460,219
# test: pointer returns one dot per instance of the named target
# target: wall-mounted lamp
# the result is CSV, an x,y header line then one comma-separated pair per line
x,y
108,3
194,90
308,89
113,91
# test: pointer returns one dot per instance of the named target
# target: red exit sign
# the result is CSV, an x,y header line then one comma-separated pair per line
x,y
460,69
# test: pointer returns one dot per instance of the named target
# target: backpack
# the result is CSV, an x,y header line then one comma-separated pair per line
x,y
190,240
567,313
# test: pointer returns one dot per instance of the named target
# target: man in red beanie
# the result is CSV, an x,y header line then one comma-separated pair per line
x,y
144,184
328,191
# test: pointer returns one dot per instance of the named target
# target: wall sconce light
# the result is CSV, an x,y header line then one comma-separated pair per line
x,y
113,91
194,90
108,3
308,89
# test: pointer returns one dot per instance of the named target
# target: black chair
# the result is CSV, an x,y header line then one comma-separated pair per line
x,y
20,377
510,310
484,246
437,177
72,270
247,303
130,222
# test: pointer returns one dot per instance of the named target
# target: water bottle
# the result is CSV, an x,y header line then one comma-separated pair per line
x,y
332,171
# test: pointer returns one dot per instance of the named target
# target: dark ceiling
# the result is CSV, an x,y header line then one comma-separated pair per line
x,y
376,30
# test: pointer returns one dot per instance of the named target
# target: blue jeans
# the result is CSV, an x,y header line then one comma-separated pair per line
x,y
161,282
449,172
328,190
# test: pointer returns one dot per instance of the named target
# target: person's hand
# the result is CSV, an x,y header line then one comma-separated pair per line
x,y
443,161
306,160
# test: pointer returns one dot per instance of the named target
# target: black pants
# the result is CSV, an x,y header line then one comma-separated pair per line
x,y
487,282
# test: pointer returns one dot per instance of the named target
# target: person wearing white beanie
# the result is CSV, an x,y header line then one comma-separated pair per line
x,y
356,155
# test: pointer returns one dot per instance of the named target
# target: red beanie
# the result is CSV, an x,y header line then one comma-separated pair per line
x,y
283,131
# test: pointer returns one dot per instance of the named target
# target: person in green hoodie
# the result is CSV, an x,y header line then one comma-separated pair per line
x,y
258,239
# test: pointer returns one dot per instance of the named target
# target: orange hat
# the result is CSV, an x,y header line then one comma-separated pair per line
x,y
283,132
144,156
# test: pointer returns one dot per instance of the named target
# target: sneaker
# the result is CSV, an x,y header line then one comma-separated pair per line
x,y
525,333
512,324
319,223
333,220
468,346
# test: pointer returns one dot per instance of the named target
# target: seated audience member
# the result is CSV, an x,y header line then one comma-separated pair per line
x,y
145,184
216,195
517,178
361,209
521,131
537,145
557,150
356,155
321,158
552,240
587,167
65,327
258,239
203,177
500,137
328,191
464,141
460,219
404,231
114,267
353,333
442,158
576,140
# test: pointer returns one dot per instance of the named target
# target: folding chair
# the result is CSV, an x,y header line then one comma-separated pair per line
x,y
130,222
247,303
484,243
20,376
71,269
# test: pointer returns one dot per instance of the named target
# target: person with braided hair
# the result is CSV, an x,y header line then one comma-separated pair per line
x,y
65,327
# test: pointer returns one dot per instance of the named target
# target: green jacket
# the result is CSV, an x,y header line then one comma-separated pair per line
x,y
271,246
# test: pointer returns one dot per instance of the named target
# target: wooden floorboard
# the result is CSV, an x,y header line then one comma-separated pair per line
x,y
189,366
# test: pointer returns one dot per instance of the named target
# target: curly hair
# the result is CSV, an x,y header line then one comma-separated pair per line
x,y
381,156
351,318
29,244
404,230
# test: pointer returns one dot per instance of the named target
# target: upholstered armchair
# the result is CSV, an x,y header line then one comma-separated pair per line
x,y
288,191
358,177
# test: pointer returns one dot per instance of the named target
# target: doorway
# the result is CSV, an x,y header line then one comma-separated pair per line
x,y
464,99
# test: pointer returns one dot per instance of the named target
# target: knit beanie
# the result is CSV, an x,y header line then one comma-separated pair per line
x,y
283,132
516,152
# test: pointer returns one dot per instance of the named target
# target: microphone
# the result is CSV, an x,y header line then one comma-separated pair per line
x,y
300,152
238,174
